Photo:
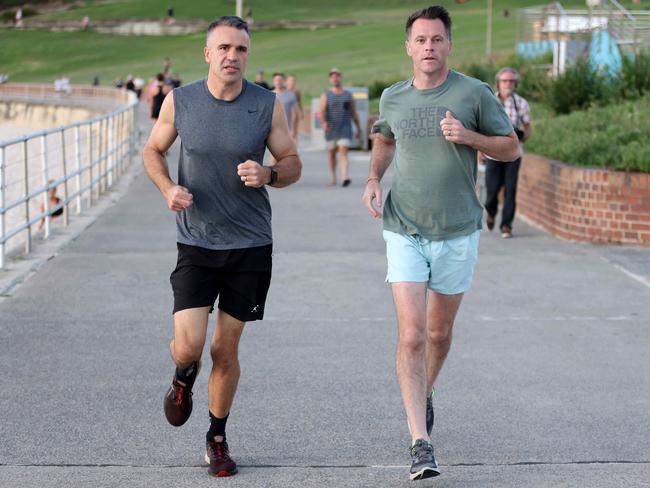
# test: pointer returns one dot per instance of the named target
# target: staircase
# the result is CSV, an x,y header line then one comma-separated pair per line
x,y
604,33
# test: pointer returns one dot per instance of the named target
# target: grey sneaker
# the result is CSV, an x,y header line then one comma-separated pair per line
x,y
423,464
430,414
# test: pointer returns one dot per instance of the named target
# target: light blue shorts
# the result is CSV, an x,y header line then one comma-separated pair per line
x,y
447,266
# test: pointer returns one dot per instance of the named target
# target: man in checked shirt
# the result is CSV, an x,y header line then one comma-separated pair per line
x,y
501,174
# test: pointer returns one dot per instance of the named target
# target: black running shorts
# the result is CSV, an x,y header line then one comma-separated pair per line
x,y
239,277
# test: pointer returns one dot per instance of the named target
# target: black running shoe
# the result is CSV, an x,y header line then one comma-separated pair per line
x,y
218,457
178,399
430,414
424,463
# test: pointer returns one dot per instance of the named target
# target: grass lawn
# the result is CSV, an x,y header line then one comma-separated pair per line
x,y
281,9
370,51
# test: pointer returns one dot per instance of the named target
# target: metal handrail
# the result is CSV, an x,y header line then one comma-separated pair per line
x,y
94,153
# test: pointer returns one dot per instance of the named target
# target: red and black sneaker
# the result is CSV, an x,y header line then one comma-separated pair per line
x,y
178,399
218,457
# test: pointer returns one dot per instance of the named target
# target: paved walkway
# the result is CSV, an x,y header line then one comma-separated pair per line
x,y
547,384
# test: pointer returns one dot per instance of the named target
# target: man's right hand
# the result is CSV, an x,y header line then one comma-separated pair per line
x,y
373,192
178,198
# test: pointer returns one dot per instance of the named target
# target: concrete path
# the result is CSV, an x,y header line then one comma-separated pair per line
x,y
547,383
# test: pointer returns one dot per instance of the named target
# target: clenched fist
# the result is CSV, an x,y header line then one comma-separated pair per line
x,y
178,198
253,174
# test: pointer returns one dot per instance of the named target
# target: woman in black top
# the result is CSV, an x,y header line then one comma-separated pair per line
x,y
158,97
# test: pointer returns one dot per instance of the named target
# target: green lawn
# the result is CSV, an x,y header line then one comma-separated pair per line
x,y
370,51
280,9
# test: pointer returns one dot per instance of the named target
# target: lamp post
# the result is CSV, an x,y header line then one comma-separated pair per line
x,y
488,36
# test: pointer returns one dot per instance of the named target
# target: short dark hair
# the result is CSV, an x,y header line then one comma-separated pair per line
x,y
230,21
433,12
160,77
278,73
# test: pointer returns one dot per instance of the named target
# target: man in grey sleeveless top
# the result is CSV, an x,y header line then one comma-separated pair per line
x,y
223,219
337,112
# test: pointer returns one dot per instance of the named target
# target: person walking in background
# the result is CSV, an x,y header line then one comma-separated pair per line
x,y
292,87
338,111
504,174
159,92
431,125
130,84
19,18
260,81
53,202
289,103
223,220
167,64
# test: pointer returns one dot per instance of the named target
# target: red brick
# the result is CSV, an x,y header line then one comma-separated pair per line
x,y
641,207
640,227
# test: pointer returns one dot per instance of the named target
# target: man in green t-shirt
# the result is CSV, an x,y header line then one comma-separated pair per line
x,y
432,124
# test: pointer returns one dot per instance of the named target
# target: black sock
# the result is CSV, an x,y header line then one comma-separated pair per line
x,y
217,427
183,374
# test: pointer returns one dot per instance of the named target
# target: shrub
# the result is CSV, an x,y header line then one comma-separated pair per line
x,y
613,137
376,88
534,84
635,76
481,72
10,15
579,87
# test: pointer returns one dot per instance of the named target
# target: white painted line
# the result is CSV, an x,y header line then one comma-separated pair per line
x,y
634,276
480,318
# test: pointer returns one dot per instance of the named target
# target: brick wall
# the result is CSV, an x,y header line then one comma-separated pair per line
x,y
585,204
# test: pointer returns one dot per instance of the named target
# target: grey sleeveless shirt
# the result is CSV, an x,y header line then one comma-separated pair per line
x,y
216,136
339,115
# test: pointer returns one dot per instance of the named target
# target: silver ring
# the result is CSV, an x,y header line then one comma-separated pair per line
x,y
245,178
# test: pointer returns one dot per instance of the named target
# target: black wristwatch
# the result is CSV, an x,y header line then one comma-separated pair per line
x,y
274,175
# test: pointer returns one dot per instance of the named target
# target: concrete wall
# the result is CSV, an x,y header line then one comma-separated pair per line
x,y
583,204
33,116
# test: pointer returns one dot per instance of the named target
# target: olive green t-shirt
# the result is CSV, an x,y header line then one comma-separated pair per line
x,y
433,192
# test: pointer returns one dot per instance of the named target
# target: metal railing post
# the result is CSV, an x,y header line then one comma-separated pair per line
x,y
100,159
131,134
122,143
46,184
111,153
2,207
28,241
90,164
77,161
66,217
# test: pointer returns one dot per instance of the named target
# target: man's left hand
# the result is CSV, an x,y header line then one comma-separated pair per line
x,y
253,174
454,131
